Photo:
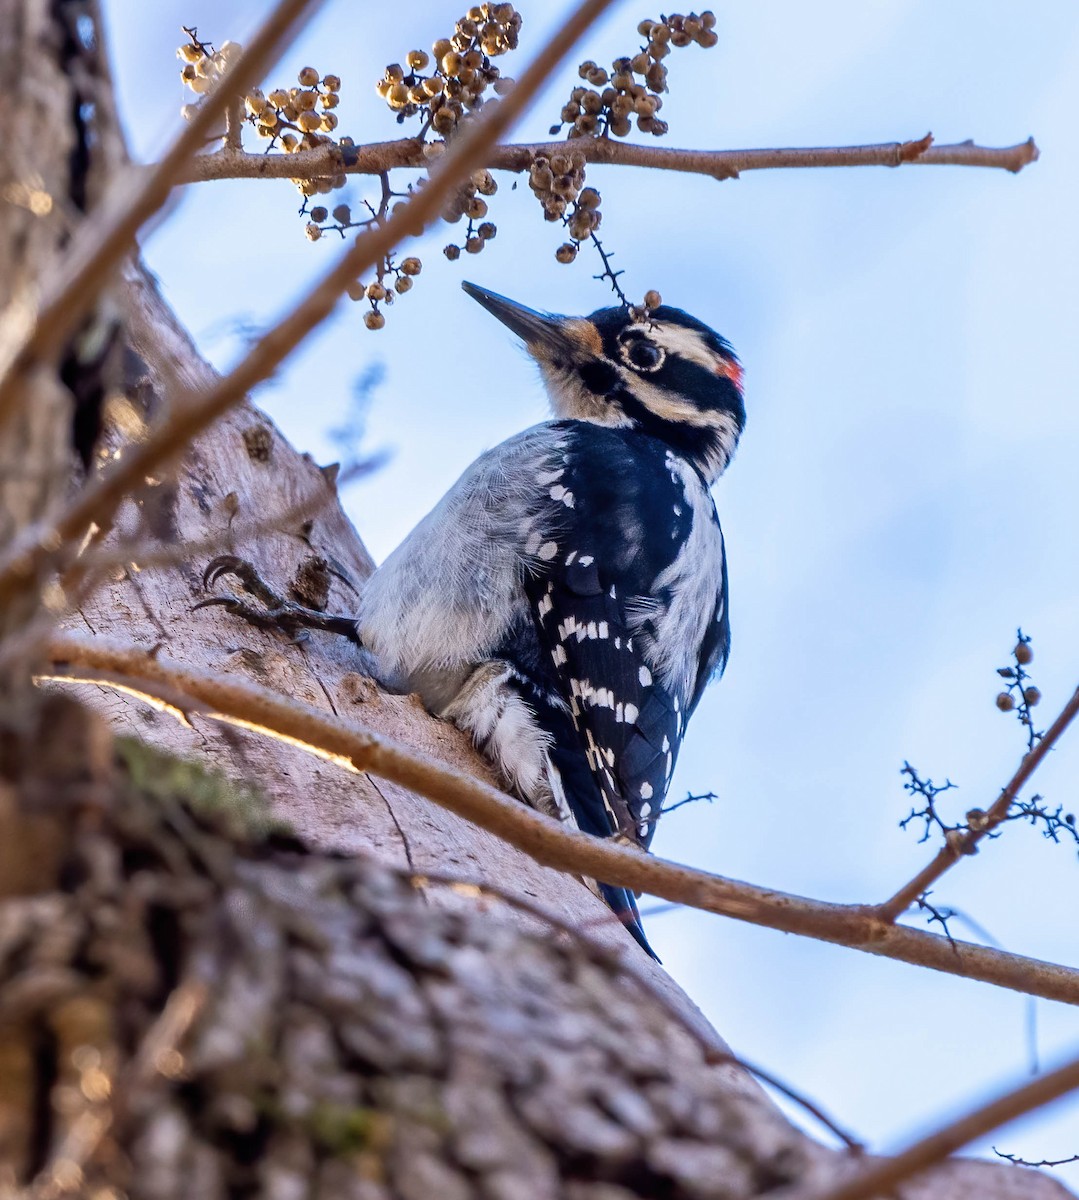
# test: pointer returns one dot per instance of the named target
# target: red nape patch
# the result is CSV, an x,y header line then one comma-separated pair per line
x,y
727,368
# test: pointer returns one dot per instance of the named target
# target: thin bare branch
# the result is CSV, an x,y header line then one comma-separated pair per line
x,y
883,1176
1018,1161
378,157
102,241
148,552
961,843
185,690
99,501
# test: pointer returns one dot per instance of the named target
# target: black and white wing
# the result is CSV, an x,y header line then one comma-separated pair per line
x,y
601,597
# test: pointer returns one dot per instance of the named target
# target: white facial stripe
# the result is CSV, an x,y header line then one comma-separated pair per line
x,y
686,343
671,407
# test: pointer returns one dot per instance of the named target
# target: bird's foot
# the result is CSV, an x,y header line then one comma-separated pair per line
x,y
277,614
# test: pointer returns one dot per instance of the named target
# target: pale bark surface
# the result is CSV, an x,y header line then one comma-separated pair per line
x,y
289,1018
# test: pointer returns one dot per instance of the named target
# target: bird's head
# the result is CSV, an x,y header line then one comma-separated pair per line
x,y
664,373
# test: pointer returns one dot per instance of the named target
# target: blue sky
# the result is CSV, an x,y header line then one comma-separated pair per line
x,y
905,494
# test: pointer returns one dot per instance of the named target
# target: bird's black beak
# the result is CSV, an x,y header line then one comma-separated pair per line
x,y
542,332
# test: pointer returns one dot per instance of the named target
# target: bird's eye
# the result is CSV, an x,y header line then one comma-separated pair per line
x,y
642,354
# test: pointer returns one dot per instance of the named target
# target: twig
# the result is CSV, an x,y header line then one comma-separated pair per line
x,y
628,827
1018,1161
102,241
608,272
98,558
928,791
234,124
146,553
884,1175
939,916
159,1051
188,417
965,842
1020,696
378,157
240,702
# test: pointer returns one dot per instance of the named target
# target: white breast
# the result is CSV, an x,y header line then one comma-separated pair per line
x,y
450,592
694,579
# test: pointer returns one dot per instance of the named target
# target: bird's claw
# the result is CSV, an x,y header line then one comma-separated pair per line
x,y
219,566
275,620
249,579
277,614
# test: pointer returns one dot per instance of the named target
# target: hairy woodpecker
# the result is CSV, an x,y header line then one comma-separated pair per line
x,y
565,603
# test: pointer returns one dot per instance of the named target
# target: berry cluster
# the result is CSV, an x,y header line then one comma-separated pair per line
x,y
469,202
452,80
390,279
295,118
616,97
319,215
300,118
1020,695
296,113
442,88
557,182
202,64
384,288
680,31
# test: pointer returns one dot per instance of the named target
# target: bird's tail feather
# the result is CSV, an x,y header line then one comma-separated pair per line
x,y
624,906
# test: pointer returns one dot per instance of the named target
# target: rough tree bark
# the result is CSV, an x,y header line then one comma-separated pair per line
x,y
192,1003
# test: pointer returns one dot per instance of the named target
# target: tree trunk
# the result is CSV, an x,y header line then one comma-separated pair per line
x,y
192,1001
50,175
